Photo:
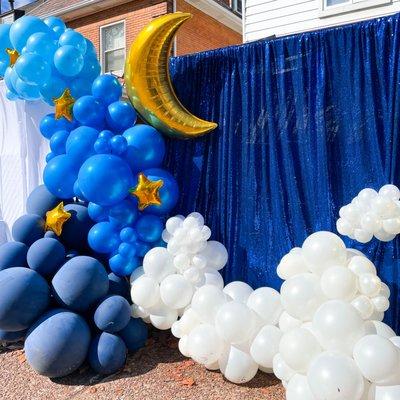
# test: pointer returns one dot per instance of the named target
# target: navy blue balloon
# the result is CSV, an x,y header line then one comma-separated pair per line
x,y
146,147
13,254
103,237
80,283
49,125
12,337
45,256
134,334
107,353
124,213
107,89
28,228
122,266
58,343
90,111
40,201
120,116
105,179
112,314
97,213
149,228
58,142
118,286
60,175
24,296
80,143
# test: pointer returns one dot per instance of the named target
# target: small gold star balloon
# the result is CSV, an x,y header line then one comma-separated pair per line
x,y
63,105
13,55
56,218
147,191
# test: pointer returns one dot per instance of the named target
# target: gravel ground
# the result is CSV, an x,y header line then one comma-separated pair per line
x,y
156,372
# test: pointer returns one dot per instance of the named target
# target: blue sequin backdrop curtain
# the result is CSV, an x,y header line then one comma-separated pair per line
x,y
305,123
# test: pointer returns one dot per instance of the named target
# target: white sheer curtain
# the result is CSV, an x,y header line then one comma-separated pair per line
x,y
22,156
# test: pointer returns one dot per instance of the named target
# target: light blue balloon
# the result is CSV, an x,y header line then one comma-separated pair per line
x,y
52,89
10,78
32,69
90,49
24,27
91,68
27,91
5,39
11,96
43,44
73,38
56,25
80,87
68,61
3,67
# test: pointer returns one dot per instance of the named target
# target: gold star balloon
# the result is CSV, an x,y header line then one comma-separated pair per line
x,y
63,105
147,191
56,218
13,55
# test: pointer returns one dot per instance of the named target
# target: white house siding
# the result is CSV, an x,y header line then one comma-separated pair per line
x,y
263,18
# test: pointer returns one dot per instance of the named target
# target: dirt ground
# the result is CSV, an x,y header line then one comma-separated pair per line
x,y
156,372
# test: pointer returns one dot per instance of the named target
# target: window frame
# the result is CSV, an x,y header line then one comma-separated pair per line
x,y
103,52
234,6
350,6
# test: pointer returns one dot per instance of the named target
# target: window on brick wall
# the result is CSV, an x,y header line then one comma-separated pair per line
x,y
112,39
237,6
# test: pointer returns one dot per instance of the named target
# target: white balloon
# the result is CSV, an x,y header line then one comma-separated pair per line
x,y
366,195
174,223
206,302
364,306
266,345
351,213
158,263
362,235
383,206
344,227
145,291
216,255
370,222
387,393
369,284
339,283
291,264
380,303
189,321
299,389
379,328
212,366
238,291
361,265
193,275
138,312
175,291
390,191
377,316
352,253
266,303
384,236
377,357
213,277
392,225
298,348
204,344
335,376
338,326
281,370
162,317
182,261
287,322
302,295
384,291
176,329
237,365
137,272
199,261
166,236
396,341
183,346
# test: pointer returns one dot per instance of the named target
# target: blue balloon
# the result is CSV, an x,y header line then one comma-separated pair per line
x,y
106,134
107,89
149,228
134,334
105,179
102,146
10,78
146,147
68,60
5,37
56,25
112,314
24,296
118,286
127,250
52,89
124,213
103,237
58,141
43,44
91,67
12,337
24,27
28,228
60,175
78,193
51,234
80,283
90,49
107,353
118,145
32,69
40,200
142,248
123,266
89,111
120,116
49,156
49,125
45,256
58,343
13,254
79,145
97,213
128,235
79,87
27,91
73,38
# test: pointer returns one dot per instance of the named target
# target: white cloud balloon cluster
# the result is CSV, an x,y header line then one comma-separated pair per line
x,y
232,329
371,214
334,345
164,286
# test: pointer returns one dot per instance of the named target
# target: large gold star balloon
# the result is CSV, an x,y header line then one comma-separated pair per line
x,y
147,192
56,218
63,105
13,55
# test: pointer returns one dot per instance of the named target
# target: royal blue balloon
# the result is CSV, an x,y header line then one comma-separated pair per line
x,y
127,250
78,193
12,337
49,156
79,145
118,286
124,213
107,89
40,200
134,334
58,343
149,228
120,116
58,141
112,314
80,283
79,87
123,266
45,256
13,254
146,147
24,296
60,175
73,38
142,248
128,235
68,61
106,134
107,353
102,146
97,213
52,89
105,179
24,27
49,125
90,49
28,228
56,25
118,145
91,67
89,111
43,44
103,237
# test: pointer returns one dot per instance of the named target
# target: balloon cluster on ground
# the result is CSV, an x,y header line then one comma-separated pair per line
x,y
371,214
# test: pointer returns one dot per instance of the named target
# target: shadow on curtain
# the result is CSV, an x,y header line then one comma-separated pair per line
x,y
305,123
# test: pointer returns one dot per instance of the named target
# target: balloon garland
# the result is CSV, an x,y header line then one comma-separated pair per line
x,y
99,218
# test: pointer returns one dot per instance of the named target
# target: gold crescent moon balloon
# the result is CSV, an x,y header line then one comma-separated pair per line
x,y
148,82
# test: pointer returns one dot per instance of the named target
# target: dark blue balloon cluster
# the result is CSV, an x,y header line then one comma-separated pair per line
x,y
40,59
58,299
